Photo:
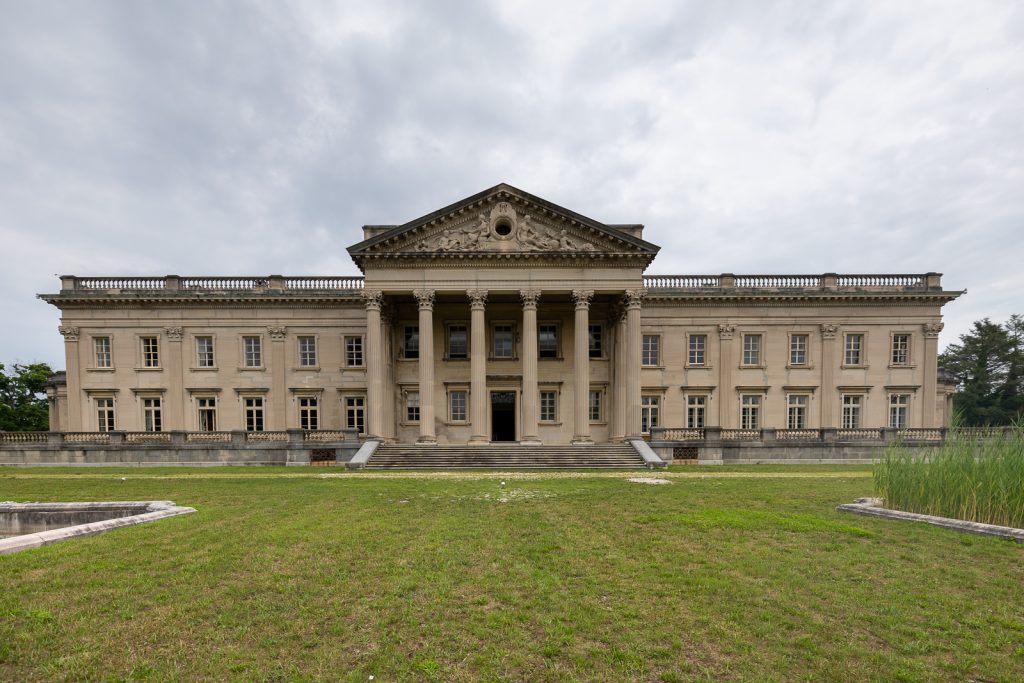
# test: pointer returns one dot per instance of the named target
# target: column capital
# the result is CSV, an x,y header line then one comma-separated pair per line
x,y
582,297
277,333
633,298
173,333
530,298
726,331
69,333
373,299
477,298
931,330
829,330
425,297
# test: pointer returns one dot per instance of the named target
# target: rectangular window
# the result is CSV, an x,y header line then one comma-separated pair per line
x,y
503,341
253,352
901,349
355,413
353,352
547,341
207,414
102,347
796,411
412,406
204,352
457,406
851,411
309,412
854,349
411,344
307,352
750,411
594,406
458,342
253,413
150,352
751,352
105,414
548,406
151,414
696,410
797,351
595,341
698,349
898,406
651,350
650,407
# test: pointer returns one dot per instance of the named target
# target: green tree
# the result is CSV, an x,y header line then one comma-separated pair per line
x,y
23,398
989,362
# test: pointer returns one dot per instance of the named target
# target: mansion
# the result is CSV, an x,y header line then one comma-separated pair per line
x,y
500,318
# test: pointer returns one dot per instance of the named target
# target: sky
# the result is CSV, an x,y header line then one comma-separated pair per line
x,y
250,138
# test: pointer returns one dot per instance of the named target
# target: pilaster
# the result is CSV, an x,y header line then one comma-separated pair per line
x,y
726,405
581,365
530,415
829,414
425,298
278,378
930,379
175,409
74,378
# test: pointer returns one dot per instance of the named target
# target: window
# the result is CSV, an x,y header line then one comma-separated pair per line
x,y
102,347
150,352
696,411
649,413
253,352
457,406
105,414
548,406
750,410
412,406
797,352
898,405
901,349
698,349
207,414
502,338
751,353
547,341
458,342
796,411
651,350
353,352
253,413
307,352
854,349
595,341
594,406
851,411
151,414
412,342
355,413
309,412
204,352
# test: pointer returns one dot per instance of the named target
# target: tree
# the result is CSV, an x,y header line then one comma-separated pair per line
x,y
23,398
989,362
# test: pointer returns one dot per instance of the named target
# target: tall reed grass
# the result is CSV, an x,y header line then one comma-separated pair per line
x,y
969,477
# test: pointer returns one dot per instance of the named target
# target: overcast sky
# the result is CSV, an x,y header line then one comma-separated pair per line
x,y
146,138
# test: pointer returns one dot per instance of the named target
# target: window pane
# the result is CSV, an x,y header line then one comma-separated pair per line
x,y
595,341
102,346
204,352
698,349
798,349
253,352
458,343
751,350
307,352
595,406
695,409
503,341
412,406
412,342
354,352
651,349
548,406
900,349
854,347
457,399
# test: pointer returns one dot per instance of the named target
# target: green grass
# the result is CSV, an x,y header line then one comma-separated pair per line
x,y
965,478
282,578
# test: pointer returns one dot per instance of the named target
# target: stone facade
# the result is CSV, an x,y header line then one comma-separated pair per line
x,y
538,325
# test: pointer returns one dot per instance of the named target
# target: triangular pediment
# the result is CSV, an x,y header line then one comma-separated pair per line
x,y
503,222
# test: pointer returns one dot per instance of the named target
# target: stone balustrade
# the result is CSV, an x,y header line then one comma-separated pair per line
x,y
173,283
825,282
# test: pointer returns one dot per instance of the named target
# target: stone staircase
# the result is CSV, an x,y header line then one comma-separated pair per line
x,y
511,456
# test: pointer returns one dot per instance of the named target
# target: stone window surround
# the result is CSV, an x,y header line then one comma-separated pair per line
x,y
453,388
602,389
706,365
344,395
94,365
557,324
515,340
446,355
808,397
404,389
344,350
865,341
242,367
809,350
762,348
910,349
140,364
299,367
194,339
660,350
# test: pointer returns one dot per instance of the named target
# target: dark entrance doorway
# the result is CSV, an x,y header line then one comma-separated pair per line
x,y
503,416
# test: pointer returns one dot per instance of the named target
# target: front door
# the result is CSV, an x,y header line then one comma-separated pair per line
x,y
503,416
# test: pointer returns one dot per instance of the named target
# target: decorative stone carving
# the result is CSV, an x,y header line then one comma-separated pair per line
x,y
634,298
931,330
478,235
425,297
829,331
277,333
582,298
477,297
726,331
466,237
70,334
530,297
373,299
173,333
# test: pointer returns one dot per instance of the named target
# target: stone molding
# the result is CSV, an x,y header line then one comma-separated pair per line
x,y
530,297
173,333
69,333
277,333
425,297
829,331
726,331
931,330
373,298
633,298
582,298
477,298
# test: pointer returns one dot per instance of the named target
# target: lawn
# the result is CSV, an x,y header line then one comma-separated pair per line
x,y
286,575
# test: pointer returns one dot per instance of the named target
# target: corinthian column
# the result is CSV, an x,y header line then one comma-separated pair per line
x,y
829,414
633,301
931,370
425,297
478,367
726,407
581,364
374,365
619,377
78,410
530,415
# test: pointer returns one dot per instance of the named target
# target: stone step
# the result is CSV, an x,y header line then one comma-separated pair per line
x,y
509,456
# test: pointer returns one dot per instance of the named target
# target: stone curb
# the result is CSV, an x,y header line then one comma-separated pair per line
x,y
871,507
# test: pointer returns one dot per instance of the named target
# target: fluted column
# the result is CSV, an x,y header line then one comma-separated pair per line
x,y
425,297
78,409
619,398
374,365
931,369
633,301
478,366
387,359
829,415
581,364
530,433
726,402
